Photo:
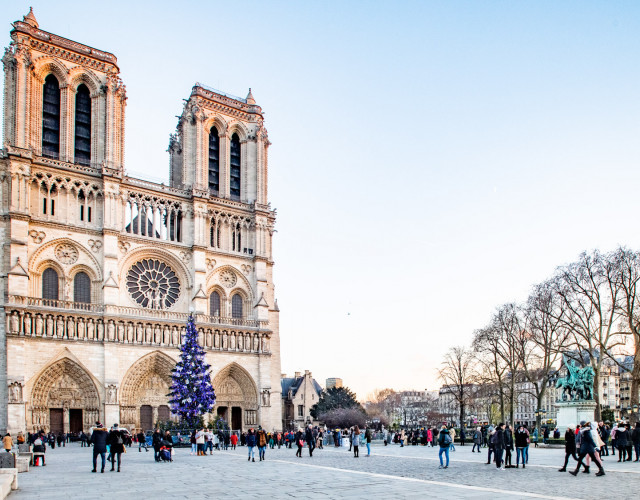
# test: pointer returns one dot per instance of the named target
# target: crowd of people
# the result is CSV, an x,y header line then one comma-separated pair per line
x,y
587,443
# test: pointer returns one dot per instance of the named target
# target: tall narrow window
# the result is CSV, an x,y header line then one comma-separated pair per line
x,y
51,117
50,284
82,288
234,170
236,306
81,201
214,161
82,151
214,304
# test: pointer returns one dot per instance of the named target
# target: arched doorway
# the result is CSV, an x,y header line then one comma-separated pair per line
x,y
143,397
64,399
236,397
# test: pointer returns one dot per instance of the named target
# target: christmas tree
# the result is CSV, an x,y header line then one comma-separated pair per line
x,y
191,393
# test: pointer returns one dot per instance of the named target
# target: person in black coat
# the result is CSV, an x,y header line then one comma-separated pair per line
x,y
157,444
298,438
99,442
635,438
499,444
115,440
508,446
622,437
308,437
569,447
587,447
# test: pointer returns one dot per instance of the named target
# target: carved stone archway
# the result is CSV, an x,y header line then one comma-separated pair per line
x,y
236,397
64,389
146,384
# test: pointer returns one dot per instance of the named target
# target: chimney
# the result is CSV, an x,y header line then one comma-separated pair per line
x,y
297,375
307,372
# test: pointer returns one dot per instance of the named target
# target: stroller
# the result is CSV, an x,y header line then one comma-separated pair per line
x,y
165,454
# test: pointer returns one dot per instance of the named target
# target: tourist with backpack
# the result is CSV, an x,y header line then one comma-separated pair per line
x,y
444,441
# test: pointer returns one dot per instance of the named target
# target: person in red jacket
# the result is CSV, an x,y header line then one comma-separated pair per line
x,y
234,440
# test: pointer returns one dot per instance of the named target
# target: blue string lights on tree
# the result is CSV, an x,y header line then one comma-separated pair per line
x,y
191,393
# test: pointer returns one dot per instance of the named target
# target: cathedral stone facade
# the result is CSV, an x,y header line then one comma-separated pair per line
x,y
101,270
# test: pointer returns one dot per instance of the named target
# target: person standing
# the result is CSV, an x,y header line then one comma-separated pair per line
x,y
521,442
463,436
367,438
622,437
251,444
491,445
156,441
452,433
99,441
262,442
587,447
444,441
115,440
508,447
200,437
499,444
356,441
234,440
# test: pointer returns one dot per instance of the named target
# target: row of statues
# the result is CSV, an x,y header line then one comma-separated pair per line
x,y
80,328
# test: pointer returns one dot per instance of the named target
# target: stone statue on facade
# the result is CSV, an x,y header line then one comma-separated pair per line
x,y
578,384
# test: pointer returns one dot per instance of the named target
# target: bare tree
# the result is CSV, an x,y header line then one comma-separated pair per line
x,y
492,372
457,375
588,291
627,265
545,339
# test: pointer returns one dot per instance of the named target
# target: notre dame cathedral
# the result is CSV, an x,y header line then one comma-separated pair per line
x,y
101,270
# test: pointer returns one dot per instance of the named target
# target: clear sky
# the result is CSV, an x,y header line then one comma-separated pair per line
x,y
430,160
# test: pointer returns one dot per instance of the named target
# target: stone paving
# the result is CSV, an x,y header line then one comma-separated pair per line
x,y
391,472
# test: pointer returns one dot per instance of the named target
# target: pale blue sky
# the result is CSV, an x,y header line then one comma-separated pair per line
x,y
430,160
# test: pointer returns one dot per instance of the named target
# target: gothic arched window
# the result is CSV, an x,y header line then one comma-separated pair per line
x,y
234,170
82,151
51,117
82,288
214,304
236,306
50,284
214,161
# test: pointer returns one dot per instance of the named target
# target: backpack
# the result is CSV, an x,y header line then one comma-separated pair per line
x,y
119,439
445,440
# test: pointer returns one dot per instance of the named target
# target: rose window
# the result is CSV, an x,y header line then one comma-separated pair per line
x,y
153,284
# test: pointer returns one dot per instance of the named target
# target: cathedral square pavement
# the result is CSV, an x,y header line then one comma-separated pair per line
x,y
391,472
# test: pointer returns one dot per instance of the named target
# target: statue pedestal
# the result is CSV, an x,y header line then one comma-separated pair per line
x,y
571,413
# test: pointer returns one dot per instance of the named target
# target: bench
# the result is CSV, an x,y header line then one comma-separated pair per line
x,y
8,481
24,450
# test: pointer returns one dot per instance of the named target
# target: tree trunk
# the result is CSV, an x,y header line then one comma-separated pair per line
x,y
635,382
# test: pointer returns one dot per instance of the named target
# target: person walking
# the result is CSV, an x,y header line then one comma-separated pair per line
x,y
587,447
452,433
262,442
477,439
99,441
535,437
309,439
569,447
142,441
444,441
234,441
356,441
7,442
299,442
251,444
115,440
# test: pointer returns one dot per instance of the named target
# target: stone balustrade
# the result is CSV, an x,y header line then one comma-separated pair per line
x,y
58,319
